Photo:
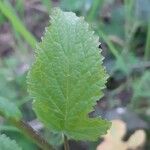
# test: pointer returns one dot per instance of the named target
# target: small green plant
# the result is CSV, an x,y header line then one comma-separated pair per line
x,y
65,82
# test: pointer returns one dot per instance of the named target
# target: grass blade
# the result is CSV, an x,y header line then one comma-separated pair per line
x,y
147,46
8,11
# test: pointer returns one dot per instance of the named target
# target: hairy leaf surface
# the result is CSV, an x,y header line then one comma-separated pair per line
x,y
7,144
9,109
67,78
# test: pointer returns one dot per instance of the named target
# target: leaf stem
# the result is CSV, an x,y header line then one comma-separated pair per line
x,y
66,144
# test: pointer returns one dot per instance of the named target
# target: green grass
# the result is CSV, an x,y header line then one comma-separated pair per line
x,y
147,46
17,24
95,6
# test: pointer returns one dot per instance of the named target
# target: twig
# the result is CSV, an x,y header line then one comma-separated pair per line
x,y
32,134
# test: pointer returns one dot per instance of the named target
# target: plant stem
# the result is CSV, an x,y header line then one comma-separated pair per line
x,y
32,134
66,144
28,131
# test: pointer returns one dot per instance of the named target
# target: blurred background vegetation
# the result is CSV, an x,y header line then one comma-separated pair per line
x,y
124,30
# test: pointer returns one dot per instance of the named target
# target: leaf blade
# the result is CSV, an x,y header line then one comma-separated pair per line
x,y
68,66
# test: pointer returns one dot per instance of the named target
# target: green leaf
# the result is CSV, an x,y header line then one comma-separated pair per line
x,y
67,78
9,109
7,144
